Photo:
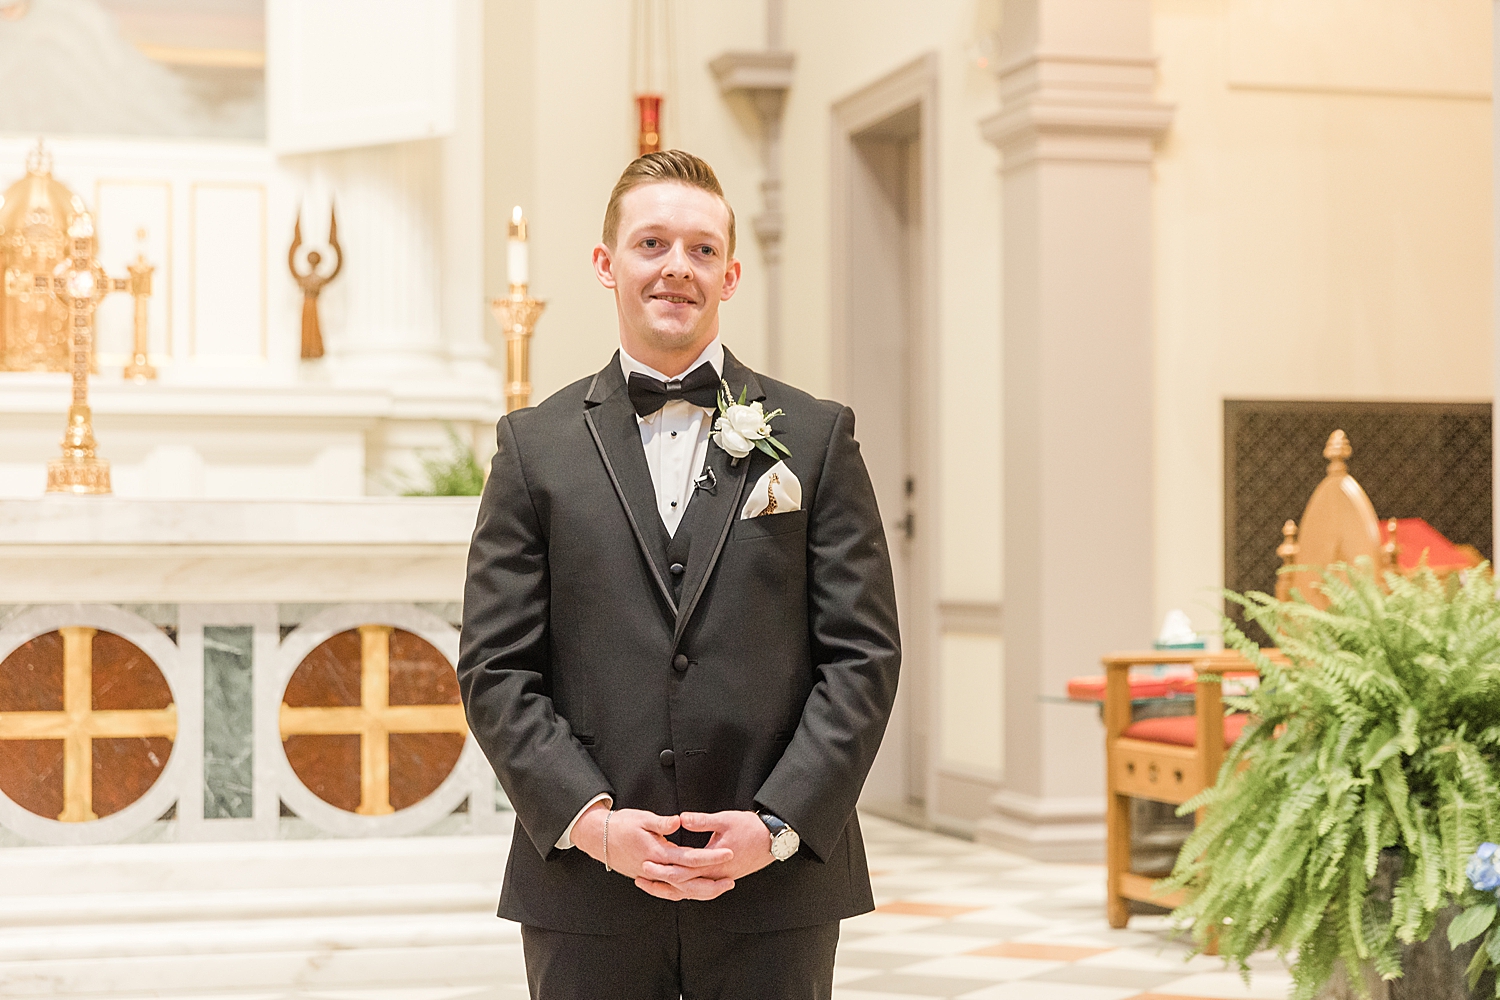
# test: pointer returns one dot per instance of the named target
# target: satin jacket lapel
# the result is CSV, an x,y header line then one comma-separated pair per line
x,y
710,515
611,421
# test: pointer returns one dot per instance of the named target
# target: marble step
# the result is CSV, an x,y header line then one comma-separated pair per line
x,y
289,864
269,975
179,920
222,937
245,904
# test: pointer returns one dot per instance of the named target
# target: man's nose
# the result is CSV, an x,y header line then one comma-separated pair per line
x,y
678,264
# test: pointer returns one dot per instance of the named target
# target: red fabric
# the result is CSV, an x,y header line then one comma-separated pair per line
x,y
1182,730
1092,688
1416,537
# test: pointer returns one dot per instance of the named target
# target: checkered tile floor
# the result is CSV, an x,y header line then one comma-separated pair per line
x,y
954,919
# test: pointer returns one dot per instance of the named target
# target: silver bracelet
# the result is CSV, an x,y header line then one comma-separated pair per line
x,y
606,841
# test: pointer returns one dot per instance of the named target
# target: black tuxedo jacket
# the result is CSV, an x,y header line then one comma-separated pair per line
x,y
760,674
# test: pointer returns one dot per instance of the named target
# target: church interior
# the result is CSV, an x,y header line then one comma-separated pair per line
x,y
1138,302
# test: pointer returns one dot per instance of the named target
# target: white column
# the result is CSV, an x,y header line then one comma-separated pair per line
x,y
463,305
1076,128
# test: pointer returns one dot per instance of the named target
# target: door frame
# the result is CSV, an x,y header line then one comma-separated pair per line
x,y
914,84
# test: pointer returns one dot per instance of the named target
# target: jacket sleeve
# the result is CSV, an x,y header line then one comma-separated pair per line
x,y
856,651
504,659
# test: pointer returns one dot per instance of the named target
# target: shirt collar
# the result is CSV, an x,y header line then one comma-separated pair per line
x,y
713,354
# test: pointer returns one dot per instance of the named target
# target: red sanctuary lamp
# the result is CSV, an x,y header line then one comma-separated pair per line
x,y
650,112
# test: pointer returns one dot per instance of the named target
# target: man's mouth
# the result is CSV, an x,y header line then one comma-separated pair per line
x,y
682,300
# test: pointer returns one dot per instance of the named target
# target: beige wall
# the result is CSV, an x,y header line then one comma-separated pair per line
x,y
1322,229
1322,204
560,129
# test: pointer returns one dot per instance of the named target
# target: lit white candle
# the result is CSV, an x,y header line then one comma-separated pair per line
x,y
516,261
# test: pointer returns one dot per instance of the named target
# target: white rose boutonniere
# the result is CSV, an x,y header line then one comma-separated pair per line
x,y
745,427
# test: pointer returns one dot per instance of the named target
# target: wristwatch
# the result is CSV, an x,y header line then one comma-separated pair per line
x,y
784,840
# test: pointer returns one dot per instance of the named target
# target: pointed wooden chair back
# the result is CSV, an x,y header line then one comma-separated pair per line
x,y
1339,525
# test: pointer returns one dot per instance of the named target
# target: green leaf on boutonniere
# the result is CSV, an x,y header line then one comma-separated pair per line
x,y
745,391
761,444
783,448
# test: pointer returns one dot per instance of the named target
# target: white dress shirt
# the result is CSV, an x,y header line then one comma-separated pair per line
x,y
675,438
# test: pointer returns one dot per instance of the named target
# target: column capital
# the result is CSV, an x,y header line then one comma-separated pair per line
x,y
1060,106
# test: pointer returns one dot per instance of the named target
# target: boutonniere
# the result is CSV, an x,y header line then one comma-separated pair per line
x,y
744,427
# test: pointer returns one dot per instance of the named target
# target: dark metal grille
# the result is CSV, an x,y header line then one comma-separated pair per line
x,y
1428,460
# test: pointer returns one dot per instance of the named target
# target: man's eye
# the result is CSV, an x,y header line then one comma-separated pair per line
x,y
650,243
706,251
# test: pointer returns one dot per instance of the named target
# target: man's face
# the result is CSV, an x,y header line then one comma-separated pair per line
x,y
669,269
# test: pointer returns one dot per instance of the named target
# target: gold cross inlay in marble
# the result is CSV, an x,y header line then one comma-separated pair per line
x,y
78,724
373,720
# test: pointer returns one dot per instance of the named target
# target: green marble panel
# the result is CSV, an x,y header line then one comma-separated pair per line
x,y
228,741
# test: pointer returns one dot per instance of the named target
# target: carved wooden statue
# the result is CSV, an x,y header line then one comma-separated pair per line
x,y
312,282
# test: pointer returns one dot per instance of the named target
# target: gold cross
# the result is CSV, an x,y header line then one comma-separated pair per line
x,y
78,725
373,720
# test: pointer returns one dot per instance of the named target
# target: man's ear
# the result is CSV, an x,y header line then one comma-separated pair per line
x,y
604,266
731,280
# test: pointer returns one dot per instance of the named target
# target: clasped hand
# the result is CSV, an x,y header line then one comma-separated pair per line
x,y
639,848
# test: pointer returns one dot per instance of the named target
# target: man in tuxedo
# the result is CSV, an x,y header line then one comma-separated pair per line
x,y
680,646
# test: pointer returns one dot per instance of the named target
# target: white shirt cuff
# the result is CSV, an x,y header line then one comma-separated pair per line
x,y
565,842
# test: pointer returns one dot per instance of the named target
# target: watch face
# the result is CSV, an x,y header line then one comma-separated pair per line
x,y
785,844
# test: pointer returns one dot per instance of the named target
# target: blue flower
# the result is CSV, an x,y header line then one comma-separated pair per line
x,y
1484,868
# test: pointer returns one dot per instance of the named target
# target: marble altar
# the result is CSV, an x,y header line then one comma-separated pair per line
x,y
234,669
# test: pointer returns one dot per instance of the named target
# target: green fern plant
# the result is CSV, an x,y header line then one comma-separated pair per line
x,y
1383,731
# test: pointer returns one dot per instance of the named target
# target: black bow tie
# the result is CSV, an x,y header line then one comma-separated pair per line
x,y
699,387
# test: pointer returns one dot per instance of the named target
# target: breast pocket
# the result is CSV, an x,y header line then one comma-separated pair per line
x,y
748,529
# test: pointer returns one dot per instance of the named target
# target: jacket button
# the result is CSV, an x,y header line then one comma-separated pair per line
x,y
666,758
677,569
680,662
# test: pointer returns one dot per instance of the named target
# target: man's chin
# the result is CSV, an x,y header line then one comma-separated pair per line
x,y
677,338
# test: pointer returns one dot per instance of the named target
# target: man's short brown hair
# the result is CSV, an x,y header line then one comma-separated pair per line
x,y
669,165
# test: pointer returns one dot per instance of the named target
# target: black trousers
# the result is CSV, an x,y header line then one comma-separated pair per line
x,y
681,956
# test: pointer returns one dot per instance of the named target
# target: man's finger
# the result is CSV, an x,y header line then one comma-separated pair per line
x,y
697,888
705,888
661,890
675,874
661,825
691,857
703,822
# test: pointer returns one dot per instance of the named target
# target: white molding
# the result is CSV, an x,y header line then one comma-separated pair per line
x,y
1051,829
1062,107
379,522
169,784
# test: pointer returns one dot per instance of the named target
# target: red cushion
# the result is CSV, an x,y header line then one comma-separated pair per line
x,y
1417,539
1182,730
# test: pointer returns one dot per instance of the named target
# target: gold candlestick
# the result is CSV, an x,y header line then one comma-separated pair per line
x,y
80,282
517,315
138,284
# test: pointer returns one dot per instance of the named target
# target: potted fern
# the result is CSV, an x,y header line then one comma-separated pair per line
x,y
1342,822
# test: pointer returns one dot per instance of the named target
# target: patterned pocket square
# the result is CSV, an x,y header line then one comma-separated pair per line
x,y
777,492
